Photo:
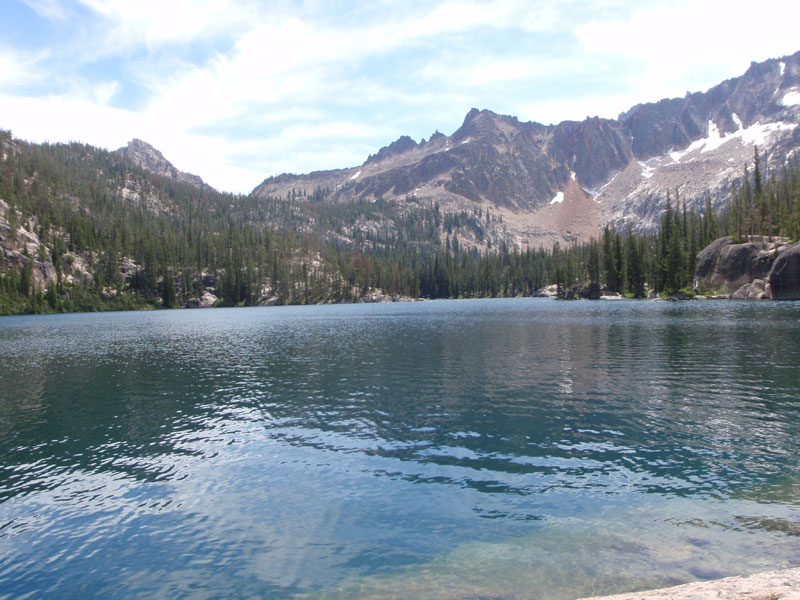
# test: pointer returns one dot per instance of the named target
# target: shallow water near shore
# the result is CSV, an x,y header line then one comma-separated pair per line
x,y
457,449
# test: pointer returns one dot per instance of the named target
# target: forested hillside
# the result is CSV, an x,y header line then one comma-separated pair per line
x,y
82,228
763,204
87,229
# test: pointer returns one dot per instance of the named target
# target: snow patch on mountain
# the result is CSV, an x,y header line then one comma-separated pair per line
x,y
791,99
597,191
783,67
757,134
558,198
647,170
354,177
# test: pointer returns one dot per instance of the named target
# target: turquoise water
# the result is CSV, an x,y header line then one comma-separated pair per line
x,y
456,449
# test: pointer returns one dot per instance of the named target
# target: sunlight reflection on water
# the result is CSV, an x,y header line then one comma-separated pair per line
x,y
515,449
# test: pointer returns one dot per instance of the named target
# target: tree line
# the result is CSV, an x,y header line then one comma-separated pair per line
x,y
150,241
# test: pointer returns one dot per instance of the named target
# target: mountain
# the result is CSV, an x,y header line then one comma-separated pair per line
x,y
148,158
82,228
561,183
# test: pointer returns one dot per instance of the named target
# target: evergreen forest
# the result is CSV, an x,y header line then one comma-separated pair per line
x,y
107,235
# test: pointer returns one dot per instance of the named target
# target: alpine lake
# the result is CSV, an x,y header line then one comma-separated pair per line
x,y
515,449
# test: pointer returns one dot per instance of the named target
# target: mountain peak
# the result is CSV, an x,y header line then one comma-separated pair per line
x,y
485,123
149,158
402,144
137,143
475,114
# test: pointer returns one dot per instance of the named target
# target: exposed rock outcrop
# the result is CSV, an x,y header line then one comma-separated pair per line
x,y
759,269
757,289
148,158
678,297
207,300
609,295
772,585
784,279
20,246
726,266
551,291
587,291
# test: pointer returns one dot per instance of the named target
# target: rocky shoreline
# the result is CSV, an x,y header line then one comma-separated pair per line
x,y
756,268
771,585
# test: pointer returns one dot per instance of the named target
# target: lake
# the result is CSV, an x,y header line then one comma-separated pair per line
x,y
453,449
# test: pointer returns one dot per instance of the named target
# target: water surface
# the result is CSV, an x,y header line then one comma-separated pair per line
x,y
493,449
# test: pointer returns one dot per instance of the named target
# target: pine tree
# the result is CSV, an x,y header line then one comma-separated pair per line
x,y
594,264
168,293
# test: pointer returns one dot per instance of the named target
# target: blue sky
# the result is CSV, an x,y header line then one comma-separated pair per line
x,y
237,90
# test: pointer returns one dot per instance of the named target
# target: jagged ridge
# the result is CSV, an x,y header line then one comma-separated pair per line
x,y
626,164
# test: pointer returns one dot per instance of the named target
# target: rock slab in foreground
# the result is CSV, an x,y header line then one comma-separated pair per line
x,y
772,585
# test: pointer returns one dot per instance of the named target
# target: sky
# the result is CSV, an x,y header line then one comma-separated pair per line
x,y
238,90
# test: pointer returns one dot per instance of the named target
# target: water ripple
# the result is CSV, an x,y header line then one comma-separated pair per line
x,y
309,449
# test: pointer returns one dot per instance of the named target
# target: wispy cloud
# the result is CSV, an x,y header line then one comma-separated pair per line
x,y
152,24
49,9
236,90
675,45
20,68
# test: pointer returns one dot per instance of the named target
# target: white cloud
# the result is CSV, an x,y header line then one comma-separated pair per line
x,y
454,72
286,60
103,93
687,43
19,68
59,119
49,9
343,130
288,87
155,22
577,109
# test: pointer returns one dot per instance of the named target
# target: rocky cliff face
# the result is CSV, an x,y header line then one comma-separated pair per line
x,y
760,268
726,266
20,245
148,158
626,165
784,278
